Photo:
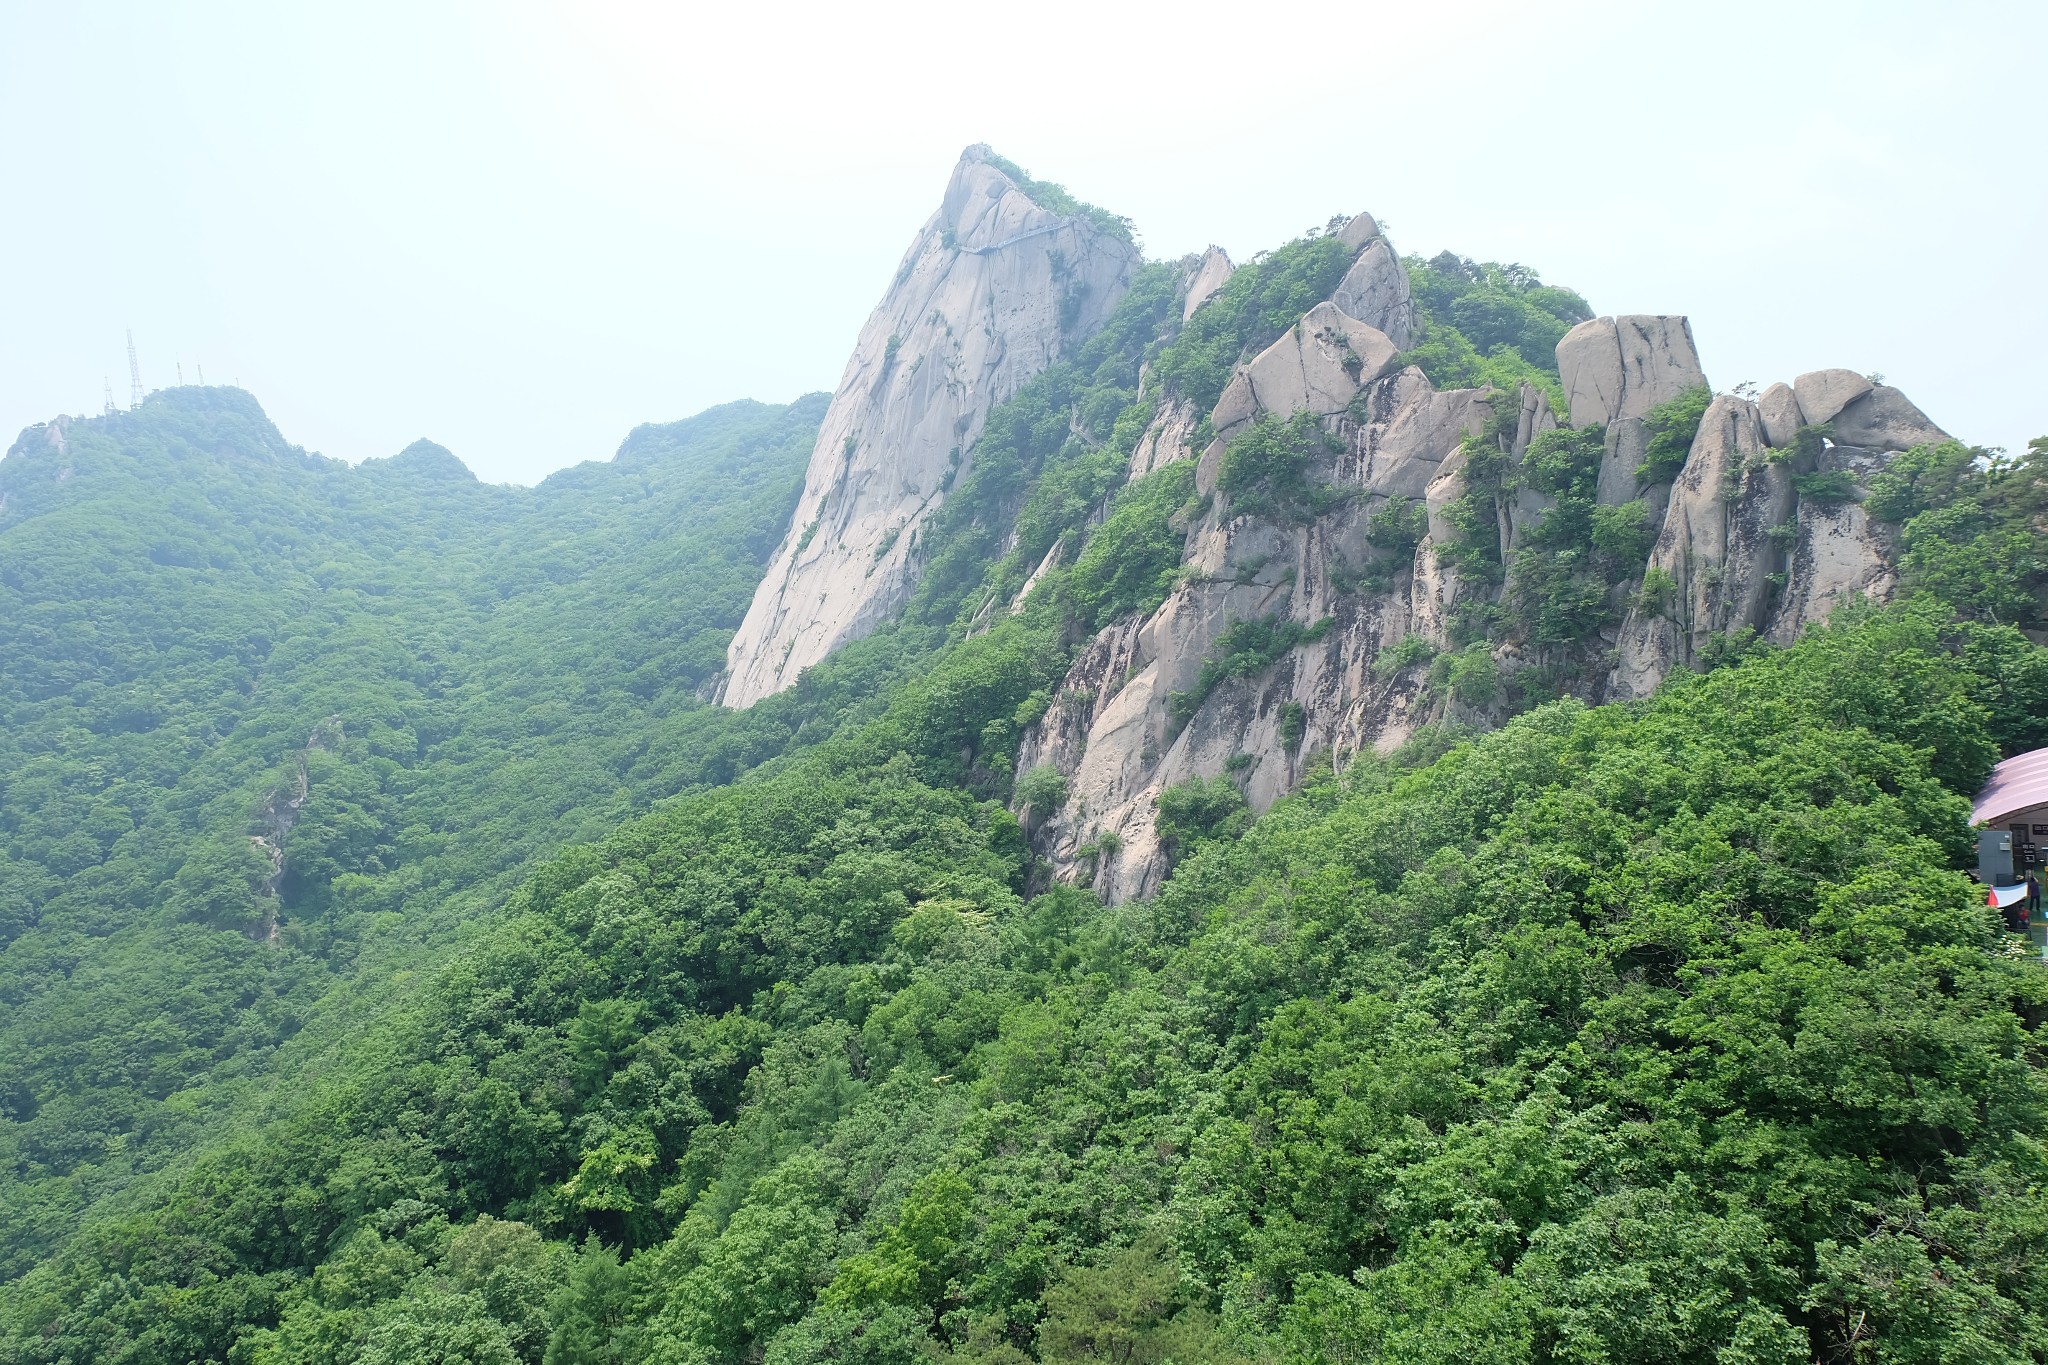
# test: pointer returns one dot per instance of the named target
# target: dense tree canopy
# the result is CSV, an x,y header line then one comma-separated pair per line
x,y
1638,1033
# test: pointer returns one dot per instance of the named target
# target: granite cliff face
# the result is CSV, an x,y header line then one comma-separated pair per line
x,y
993,289
1743,550
1740,549
1748,524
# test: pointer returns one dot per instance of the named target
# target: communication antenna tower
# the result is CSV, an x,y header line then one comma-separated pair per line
x,y
110,394
134,373
181,372
202,373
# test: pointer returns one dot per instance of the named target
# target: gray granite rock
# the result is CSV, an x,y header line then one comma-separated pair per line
x,y
1779,410
993,290
1823,393
1614,371
1885,419
1211,273
1842,552
1317,366
1358,230
1375,291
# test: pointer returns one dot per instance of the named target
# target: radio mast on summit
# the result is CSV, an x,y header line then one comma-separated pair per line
x,y
134,373
110,394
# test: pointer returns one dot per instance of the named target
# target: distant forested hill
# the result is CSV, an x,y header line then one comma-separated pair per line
x,y
260,709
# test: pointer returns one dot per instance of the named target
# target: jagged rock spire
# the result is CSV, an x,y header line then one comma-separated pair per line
x,y
994,288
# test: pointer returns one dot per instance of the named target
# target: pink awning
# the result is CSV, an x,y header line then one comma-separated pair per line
x,y
2015,785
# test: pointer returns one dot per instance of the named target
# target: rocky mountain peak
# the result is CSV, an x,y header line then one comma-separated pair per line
x,y
1008,276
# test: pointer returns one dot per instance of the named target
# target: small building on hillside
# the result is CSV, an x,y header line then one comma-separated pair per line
x,y
2011,816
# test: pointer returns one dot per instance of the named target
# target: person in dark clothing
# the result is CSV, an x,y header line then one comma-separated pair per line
x,y
2014,912
2033,895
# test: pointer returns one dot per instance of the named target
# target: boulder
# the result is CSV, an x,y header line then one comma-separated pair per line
x,y
1823,393
1622,367
1318,366
1779,410
1589,362
1885,419
1358,230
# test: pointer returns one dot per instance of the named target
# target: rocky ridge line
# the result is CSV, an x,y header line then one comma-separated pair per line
x,y
1742,550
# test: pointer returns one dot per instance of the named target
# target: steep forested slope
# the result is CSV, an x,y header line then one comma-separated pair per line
x,y
1650,1031
262,712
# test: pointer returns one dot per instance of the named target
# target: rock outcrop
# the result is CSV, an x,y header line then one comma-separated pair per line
x,y
1742,551
1717,548
994,289
1739,549
1210,274
1375,289
1131,717
1841,553
1341,622
1614,371
1317,367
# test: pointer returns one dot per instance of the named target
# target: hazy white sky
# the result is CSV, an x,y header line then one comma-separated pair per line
x,y
521,229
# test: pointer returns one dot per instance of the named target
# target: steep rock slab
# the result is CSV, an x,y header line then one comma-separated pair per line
x,y
1412,431
993,290
1168,437
1375,289
1724,536
1211,273
1842,552
1614,371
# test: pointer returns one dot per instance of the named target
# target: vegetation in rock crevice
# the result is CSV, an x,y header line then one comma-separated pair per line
x,y
1669,429
1269,470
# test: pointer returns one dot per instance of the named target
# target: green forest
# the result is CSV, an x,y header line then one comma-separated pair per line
x,y
403,960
